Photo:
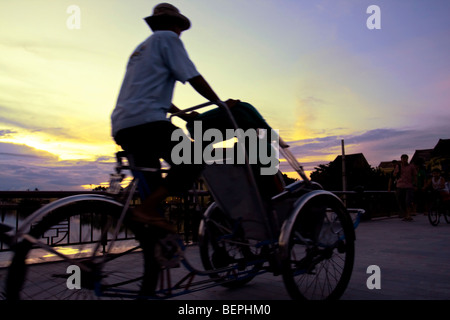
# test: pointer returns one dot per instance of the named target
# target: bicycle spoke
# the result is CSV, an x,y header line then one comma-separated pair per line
x,y
40,270
321,251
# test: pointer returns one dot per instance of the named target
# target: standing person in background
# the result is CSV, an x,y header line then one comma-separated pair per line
x,y
406,182
392,179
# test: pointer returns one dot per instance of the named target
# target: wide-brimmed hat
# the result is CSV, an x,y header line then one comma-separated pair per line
x,y
164,12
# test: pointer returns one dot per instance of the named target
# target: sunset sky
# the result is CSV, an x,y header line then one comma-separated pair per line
x,y
312,68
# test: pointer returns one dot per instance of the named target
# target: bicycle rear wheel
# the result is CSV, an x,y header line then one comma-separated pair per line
x,y
318,249
433,213
80,231
447,215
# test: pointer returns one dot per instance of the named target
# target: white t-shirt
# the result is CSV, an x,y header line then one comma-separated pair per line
x,y
147,89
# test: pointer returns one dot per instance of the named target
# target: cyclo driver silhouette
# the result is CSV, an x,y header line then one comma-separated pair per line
x,y
139,121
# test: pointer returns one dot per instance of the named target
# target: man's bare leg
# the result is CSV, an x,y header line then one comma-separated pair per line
x,y
147,212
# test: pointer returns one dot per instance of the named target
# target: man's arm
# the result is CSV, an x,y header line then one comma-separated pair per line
x,y
395,170
203,88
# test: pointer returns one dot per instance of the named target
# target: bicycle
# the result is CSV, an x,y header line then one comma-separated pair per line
x,y
439,206
303,233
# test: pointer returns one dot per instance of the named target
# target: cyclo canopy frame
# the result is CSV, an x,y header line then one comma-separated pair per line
x,y
251,184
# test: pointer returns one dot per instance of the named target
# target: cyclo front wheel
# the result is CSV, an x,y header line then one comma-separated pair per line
x,y
317,248
80,230
434,213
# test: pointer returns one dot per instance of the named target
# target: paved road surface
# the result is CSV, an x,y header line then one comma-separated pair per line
x,y
413,257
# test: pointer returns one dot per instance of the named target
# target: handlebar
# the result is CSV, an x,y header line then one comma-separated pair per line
x,y
220,104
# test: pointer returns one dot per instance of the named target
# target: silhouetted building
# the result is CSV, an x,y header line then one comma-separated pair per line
x,y
438,157
387,167
424,154
358,173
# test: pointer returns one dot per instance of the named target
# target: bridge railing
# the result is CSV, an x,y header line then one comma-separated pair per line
x,y
181,210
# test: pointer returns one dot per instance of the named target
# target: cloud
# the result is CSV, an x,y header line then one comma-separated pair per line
x,y
62,175
23,168
20,150
377,145
7,133
20,118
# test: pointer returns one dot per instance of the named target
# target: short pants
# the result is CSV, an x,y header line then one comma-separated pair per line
x,y
148,143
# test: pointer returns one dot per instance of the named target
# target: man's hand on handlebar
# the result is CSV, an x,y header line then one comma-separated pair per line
x,y
193,114
230,103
